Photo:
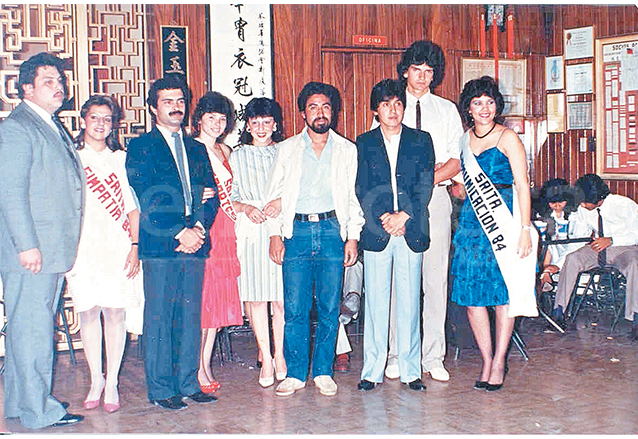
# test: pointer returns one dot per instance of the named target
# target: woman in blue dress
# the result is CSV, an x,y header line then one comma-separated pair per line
x,y
478,282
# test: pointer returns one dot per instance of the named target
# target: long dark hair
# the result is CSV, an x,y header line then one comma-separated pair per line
x,y
112,141
262,107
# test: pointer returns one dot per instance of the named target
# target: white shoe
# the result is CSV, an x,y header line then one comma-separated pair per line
x,y
326,385
392,371
440,374
289,386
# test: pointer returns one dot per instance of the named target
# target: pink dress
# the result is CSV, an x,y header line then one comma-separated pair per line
x,y
220,294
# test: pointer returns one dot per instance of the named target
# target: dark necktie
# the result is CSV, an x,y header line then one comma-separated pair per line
x,y
61,130
66,138
418,115
602,256
179,156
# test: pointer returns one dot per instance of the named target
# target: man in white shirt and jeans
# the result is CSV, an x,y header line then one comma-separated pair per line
x,y
421,69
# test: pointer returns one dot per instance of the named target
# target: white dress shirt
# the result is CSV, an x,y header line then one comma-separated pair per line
x,y
44,114
392,149
168,136
620,220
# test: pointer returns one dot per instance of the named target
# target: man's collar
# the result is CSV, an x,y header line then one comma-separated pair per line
x,y
410,97
168,134
44,114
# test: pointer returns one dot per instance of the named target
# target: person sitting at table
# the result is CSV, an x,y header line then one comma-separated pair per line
x,y
612,220
558,202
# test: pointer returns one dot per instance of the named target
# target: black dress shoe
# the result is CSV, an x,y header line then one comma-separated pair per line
x,y
174,403
68,419
479,385
202,398
493,387
416,385
366,385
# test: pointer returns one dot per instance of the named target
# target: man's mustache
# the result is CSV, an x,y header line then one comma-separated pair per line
x,y
176,112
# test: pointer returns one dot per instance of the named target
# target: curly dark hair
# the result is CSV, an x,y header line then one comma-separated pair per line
x,y
262,107
169,82
112,141
590,188
420,52
29,71
483,86
214,102
327,90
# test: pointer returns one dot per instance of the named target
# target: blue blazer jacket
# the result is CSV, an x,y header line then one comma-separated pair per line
x,y
153,175
415,176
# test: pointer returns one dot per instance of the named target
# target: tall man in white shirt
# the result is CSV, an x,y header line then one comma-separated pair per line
x,y
315,234
616,242
421,69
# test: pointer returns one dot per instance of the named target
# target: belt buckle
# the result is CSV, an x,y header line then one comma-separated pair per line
x,y
313,217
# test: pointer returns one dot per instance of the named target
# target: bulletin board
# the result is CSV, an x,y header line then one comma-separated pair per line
x,y
617,107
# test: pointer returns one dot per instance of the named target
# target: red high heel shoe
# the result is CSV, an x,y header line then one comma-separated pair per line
x,y
212,387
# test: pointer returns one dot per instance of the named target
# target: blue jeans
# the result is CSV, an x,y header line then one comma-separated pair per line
x,y
313,257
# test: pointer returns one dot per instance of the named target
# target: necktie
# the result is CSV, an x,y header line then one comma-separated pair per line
x,y
61,130
66,138
602,256
418,115
179,156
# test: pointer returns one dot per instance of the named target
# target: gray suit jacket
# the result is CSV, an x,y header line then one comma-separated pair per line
x,y
41,193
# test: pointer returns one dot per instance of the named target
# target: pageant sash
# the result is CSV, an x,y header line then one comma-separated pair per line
x,y
224,181
108,192
502,229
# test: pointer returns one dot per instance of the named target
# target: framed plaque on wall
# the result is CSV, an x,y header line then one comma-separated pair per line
x,y
617,107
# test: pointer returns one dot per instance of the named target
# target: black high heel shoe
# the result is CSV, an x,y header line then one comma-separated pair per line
x,y
495,387
480,385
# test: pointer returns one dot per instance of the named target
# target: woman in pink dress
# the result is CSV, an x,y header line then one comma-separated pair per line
x,y
213,119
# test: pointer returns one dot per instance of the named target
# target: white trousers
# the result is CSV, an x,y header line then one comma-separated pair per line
x,y
435,286
403,265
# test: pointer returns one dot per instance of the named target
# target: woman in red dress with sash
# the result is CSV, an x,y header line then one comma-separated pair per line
x,y
213,119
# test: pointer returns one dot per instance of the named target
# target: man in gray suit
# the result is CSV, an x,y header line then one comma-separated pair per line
x,y
41,204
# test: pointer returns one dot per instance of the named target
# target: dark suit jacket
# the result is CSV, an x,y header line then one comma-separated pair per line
x,y
42,186
414,174
153,175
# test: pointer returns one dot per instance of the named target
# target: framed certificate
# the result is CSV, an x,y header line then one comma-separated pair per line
x,y
579,43
579,79
556,113
512,81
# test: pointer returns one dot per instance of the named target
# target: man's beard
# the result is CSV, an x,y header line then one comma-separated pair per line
x,y
319,129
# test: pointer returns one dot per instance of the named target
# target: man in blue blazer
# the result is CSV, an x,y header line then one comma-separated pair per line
x,y
394,186
169,173
41,203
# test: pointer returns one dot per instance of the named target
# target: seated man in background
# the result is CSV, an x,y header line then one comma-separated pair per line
x,y
613,219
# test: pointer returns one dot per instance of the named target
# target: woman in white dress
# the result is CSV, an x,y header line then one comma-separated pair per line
x,y
260,281
104,280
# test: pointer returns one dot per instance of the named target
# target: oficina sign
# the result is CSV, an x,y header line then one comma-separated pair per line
x,y
370,40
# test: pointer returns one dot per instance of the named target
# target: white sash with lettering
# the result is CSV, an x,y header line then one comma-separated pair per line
x,y
224,180
502,229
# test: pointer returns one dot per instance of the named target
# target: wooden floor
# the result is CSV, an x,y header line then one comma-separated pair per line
x,y
581,382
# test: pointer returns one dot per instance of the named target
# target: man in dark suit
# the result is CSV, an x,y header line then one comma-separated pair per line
x,y
169,173
394,186
41,204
